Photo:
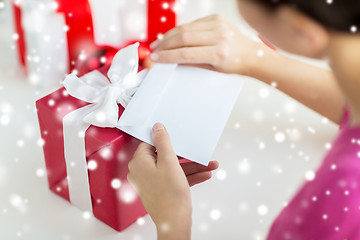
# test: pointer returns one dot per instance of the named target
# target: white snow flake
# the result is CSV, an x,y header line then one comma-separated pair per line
x,y
280,137
264,92
101,116
353,29
127,195
165,5
106,153
311,130
40,142
51,102
310,175
260,53
18,202
86,215
215,214
140,221
244,166
115,183
243,207
274,84
4,120
92,164
40,172
221,174
20,143
327,146
262,210
262,146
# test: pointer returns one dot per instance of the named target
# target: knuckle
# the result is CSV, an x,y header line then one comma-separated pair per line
x,y
183,28
160,136
224,35
131,165
221,54
185,38
221,25
217,17
186,54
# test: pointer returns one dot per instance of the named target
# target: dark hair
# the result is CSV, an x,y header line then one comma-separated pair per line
x,y
343,15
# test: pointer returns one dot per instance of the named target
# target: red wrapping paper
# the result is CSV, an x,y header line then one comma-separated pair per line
x,y
161,18
80,34
19,31
110,148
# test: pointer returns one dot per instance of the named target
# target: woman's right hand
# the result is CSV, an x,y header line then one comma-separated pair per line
x,y
211,42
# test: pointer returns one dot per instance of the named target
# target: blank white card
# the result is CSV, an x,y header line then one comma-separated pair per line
x,y
194,104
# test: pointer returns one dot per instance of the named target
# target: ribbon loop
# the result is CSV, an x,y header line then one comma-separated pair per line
x,y
95,88
125,64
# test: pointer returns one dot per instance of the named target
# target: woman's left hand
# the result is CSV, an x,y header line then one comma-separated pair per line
x,y
164,185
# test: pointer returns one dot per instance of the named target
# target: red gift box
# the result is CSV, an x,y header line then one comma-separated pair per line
x,y
108,149
83,52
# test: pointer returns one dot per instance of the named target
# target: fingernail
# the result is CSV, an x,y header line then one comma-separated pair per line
x,y
157,127
154,56
154,44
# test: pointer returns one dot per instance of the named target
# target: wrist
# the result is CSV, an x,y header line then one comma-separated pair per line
x,y
176,227
258,62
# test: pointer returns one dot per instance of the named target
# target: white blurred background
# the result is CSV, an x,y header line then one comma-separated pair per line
x,y
270,145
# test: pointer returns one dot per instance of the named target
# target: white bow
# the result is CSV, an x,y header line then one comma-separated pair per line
x,y
104,95
95,88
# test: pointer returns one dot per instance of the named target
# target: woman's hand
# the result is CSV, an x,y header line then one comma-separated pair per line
x,y
211,42
163,187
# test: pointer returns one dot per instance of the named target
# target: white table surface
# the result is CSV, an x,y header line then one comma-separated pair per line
x,y
257,174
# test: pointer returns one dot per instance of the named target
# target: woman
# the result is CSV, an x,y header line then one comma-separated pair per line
x,y
327,207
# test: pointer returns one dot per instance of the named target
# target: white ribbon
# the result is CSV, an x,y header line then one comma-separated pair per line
x,y
104,96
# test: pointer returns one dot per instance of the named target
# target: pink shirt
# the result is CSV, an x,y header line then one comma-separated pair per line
x,y
327,208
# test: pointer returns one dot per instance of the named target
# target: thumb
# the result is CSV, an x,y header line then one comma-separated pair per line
x,y
162,143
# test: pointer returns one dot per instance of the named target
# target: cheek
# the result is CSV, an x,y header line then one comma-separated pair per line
x,y
258,18
268,28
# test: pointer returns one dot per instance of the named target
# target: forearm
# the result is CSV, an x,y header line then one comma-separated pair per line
x,y
174,225
173,231
312,86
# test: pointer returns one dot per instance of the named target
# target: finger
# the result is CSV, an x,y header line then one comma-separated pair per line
x,y
188,55
162,143
198,25
189,39
198,178
212,18
132,182
144,154
191,167
204,66
146,149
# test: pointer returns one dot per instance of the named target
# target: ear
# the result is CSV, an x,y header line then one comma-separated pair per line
x,y
308,37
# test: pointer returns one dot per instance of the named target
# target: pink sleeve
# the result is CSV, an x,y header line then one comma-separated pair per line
x,y
346,118
326,208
